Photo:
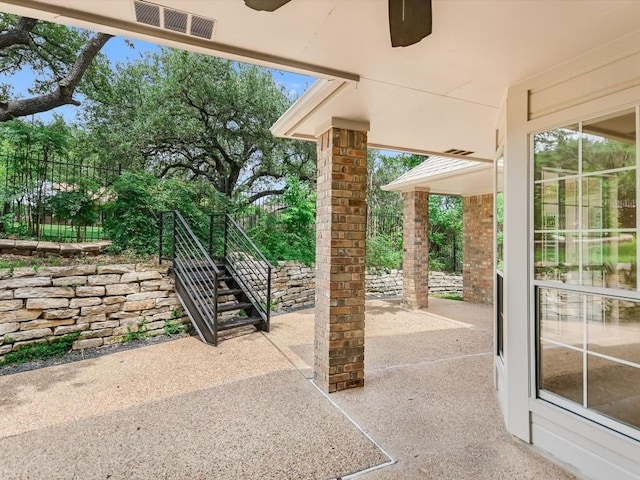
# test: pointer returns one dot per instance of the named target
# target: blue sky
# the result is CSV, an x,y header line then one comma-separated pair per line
x,y
119,50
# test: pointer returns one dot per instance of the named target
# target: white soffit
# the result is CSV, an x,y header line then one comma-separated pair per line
x,y
442,93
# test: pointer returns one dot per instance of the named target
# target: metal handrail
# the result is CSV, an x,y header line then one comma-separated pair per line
x,y
197,275
192,265
257,284
246,237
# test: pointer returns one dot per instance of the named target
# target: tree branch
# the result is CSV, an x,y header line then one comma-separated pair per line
x,y
264,193
18,35
63,94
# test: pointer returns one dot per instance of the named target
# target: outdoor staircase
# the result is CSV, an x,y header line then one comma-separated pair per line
x,y
224,286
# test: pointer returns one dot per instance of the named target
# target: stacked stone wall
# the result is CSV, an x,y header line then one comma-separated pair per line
x,y
105,303
102,303
27,248
293,285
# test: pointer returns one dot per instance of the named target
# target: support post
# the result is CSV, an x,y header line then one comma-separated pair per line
x,y
477,272
415,249
340,257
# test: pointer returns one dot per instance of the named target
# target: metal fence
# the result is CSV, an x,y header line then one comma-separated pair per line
x,y
445,249
48,197
445,254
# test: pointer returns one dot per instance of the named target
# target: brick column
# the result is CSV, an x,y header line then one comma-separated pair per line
x,y
415,256
340,259
477,268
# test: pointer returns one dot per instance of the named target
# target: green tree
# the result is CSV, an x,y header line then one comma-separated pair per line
x,y
383,169
445,231
290,235
77,206
193,116
140,197
384,209
132,223
384,248
28,149
60,58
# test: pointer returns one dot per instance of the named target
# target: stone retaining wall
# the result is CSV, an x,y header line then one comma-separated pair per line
x,y
294,284
102,303
105,303
27,248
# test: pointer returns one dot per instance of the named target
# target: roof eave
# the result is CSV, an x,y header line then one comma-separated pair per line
x,y
423,182
319,93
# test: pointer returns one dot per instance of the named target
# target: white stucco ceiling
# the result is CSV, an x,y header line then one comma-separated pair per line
x,y
440,94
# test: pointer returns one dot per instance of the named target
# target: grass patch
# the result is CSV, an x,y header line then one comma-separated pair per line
x,y
448,296
17,261
42,351
57,233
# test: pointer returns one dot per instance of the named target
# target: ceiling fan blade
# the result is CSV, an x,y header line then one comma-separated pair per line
x,y
409,21
266,5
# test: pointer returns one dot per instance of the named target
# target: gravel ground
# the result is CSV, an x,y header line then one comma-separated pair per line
x,y
77,355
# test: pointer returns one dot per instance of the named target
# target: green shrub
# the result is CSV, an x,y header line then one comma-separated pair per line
x,y
132,223
277,244
140,197
384,251
290,235
187,197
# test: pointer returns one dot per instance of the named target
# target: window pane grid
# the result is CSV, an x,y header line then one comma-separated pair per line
x,y
590,351
585,227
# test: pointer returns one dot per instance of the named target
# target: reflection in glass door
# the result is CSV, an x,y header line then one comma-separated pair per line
x,y
499,245
585,228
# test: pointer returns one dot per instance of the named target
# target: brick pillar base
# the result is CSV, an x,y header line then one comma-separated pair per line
x,y
477,268
340,259
415,257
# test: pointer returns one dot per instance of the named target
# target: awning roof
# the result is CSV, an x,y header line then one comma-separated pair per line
x,y
447,176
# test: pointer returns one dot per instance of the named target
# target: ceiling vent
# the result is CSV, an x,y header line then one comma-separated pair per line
x,y
201,27
174,20
147,13
456,151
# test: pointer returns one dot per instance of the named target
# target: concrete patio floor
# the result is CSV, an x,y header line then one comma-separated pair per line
x,y
247,409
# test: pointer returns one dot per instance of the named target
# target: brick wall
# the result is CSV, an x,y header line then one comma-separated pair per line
x,y
102,303
478,272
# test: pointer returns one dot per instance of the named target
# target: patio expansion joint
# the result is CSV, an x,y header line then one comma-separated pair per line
x,y
430,362
391,460
284,354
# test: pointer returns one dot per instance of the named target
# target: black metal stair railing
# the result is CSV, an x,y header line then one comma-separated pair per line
x,y
226,285
196,274
230,244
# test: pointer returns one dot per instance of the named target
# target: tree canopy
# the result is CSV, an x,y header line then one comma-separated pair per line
x,y
60,57
384,169
177,113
